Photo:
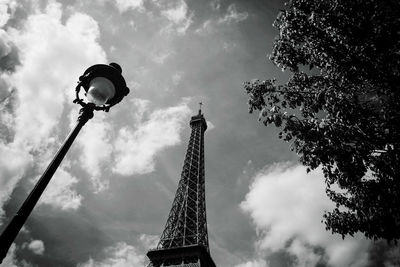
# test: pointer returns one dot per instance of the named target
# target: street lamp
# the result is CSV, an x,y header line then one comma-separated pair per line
x,y
104,87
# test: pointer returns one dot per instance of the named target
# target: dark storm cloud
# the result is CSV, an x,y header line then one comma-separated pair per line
x,y
383,254
9,57
281,258
20,10
7,108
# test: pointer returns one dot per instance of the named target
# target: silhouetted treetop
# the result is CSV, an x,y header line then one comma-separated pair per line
x,y
340,108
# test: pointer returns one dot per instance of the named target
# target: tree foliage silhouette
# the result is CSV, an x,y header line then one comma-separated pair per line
x,y
340,108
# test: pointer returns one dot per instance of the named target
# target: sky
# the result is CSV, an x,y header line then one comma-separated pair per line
x,y
108,202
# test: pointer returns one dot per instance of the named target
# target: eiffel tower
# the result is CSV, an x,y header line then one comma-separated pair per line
x,y
184,241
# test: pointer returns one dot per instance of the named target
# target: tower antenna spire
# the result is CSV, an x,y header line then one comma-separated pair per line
x,y
200,104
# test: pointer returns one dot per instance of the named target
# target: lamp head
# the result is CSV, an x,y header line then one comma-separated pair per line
x,y
104,86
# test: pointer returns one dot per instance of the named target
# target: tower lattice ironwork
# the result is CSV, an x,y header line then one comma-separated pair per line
x,y
184,241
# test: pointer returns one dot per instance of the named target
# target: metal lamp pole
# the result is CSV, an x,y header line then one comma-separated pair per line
x,y
15,225
112,73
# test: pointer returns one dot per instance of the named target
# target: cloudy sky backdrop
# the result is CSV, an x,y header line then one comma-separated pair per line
x,y
108,202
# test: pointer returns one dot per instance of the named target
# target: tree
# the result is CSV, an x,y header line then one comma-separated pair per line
x,y
340,108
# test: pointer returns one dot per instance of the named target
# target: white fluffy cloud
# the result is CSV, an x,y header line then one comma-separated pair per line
x,y
60,193
286,206
96,150
233,16
4,15
36,246
136,149
178,13
210,125
52,55
160,57
215,5
179,16
149,241
253,263
97,147
6,8
140,107
120,255
10,260
125,5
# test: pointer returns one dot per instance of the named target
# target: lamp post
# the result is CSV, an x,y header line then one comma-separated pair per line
x,y
104,87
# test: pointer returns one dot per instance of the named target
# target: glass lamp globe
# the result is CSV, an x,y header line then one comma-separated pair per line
x,y
100,91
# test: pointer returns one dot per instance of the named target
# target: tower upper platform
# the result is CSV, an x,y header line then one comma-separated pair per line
x,y
199,119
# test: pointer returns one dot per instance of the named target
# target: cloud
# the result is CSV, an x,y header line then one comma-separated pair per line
x,y
179,17
10,260
125,5
207,27
37,247
253,263
233,16
136,149
52,55
160,58
96,149
229,46
178,13
60,193
9,57
13,162
177,77
286,206
133,148
7,7
141,107
149,241
215,5
210,125
120,255
4,15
